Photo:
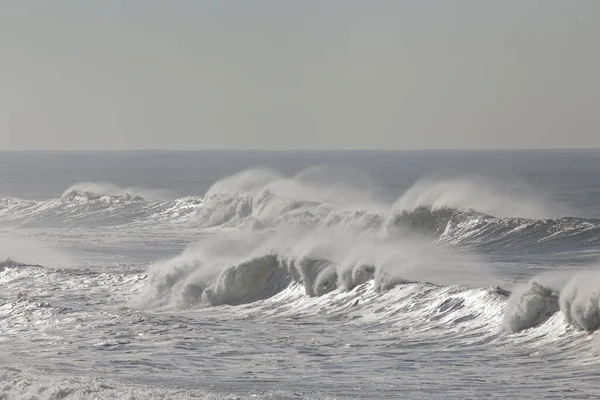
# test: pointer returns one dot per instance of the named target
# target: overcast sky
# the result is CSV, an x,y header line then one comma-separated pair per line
x,y
310,74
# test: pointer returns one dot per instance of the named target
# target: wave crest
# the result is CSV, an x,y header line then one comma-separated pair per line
x,y
90,191
482,194
93,204
575,295
263,198
227,268
530,306
580,300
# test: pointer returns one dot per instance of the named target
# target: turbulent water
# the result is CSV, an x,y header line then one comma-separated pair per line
x,y
227,275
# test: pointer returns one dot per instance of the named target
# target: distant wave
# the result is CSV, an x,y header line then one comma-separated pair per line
x,y
318,196
86,191
102,204
455,210
471,227
482,194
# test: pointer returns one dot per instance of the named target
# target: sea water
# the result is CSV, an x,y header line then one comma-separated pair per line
x,y
359,274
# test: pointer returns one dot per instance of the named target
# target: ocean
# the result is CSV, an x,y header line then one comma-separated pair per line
x,y
300,275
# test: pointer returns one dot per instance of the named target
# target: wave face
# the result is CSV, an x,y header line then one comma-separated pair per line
x,y
474,228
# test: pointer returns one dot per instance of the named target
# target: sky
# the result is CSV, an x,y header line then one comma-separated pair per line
x,y
310,74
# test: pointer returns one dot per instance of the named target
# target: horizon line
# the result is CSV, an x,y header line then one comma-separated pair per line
x,y
157,150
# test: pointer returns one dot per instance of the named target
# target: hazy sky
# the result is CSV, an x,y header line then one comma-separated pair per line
x,y
304,74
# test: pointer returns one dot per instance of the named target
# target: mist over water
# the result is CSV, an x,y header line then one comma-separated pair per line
x,y
333,279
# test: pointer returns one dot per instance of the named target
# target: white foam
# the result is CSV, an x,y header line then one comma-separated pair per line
x,y
491,196
316,196
233,267
97,190
24,384
532,304
575,294
580,300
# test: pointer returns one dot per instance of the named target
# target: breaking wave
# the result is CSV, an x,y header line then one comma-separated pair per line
x,y
276,234
328,231
262,199
199,278
481,194
467,210
86,191
289,285
101,204
531,304
318,196
239,266
575,295
472,227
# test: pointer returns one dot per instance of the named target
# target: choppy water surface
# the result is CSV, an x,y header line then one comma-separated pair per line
x,y
300,275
